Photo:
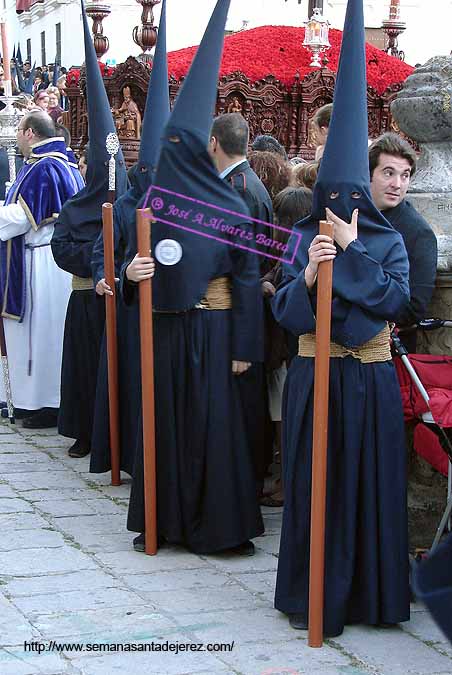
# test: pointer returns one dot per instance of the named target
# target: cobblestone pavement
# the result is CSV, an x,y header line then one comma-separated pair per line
x,y
68,576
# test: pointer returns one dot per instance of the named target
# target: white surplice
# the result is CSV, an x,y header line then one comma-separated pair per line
x,y
39,337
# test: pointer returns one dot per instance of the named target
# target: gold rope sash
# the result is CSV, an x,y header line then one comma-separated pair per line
x,y
375,350
218,295
82,283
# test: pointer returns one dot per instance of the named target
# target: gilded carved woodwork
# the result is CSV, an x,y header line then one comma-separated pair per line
x,y
268,105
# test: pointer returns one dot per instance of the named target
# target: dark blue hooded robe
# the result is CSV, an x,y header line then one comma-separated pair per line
x,y
366,559
128,338
206,497
432,581
76,232
124,218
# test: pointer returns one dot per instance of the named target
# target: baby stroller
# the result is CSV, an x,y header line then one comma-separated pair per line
x,y
426,386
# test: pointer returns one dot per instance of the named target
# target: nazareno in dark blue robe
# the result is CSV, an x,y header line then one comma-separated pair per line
x,y
206,497
432,581
366,541
124,220
128,336
76,232
366,560
84,326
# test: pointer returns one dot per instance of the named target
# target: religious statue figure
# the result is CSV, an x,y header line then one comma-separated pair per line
x,y
235,106
128,117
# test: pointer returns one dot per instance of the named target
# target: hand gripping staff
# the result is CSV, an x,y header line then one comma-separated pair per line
x,y
319,446
112,145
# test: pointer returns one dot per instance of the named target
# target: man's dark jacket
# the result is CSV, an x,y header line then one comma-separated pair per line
x,y
421,245
252,384
248,184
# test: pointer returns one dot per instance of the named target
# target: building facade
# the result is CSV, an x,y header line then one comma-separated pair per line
x,y
49,28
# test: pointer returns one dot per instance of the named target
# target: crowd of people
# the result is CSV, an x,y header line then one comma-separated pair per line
x,y
233,330
42,87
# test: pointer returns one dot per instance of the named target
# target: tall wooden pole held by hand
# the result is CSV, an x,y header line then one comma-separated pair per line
x,y
112,342
144,217
319,446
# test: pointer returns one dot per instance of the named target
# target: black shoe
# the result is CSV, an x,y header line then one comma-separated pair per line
x,y
19,413
387,625
79,449
297,621
46,418
139,543
245,549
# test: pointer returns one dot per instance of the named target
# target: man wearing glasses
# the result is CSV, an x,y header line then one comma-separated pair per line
x,y
33,290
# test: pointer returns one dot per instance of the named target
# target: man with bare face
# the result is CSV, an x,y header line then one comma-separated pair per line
x,y
392,163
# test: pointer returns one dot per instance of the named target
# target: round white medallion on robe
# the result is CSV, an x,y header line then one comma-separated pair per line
x,y
168,252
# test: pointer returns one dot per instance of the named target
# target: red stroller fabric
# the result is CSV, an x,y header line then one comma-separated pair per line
x,y
427,445
435,373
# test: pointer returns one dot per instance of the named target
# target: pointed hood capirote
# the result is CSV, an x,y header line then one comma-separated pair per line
x,y
20,78
84,211
141,175
156,115
195,105
189,187
31,80
100,122
156,112
56,73
343,184
343,181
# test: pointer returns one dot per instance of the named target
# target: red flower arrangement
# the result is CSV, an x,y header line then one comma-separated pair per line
x,y
279,51
73,76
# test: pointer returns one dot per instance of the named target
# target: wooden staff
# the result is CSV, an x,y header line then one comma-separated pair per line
x,y
112,342
144,217
112,146
319,446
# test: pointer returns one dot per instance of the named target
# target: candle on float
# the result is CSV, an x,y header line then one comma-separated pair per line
x,y
6,63
394,10
5,52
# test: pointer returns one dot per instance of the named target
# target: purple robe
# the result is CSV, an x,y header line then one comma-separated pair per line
x,y
42,186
